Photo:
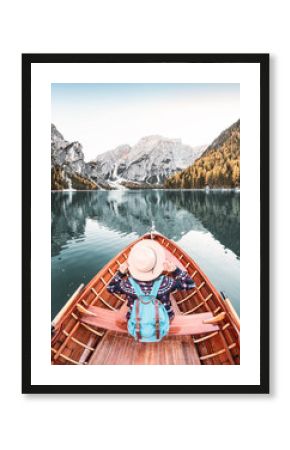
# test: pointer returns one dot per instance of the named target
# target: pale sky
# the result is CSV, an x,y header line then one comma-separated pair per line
x,y
103,116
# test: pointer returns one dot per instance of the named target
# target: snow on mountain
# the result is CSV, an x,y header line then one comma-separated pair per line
x,y
150,161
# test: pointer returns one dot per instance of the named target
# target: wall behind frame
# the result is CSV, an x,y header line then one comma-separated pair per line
x,y
179,421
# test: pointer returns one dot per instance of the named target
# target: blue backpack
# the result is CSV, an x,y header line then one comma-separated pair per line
x,y
149,320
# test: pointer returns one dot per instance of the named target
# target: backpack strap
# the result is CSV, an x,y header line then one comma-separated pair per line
x,y
138,328
136,287
157,321
139,293
154,292
156,286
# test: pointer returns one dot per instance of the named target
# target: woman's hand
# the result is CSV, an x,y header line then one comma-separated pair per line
x,y
169,266
123,268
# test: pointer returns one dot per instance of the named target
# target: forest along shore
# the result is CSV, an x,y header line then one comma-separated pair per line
x,y
155,162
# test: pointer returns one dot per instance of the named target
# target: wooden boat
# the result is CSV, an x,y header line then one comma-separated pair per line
x,y
91,327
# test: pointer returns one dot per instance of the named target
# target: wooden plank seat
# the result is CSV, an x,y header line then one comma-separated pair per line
x,y
116,321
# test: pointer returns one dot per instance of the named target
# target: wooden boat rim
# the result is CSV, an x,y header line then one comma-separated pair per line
x,y
85,289
81,295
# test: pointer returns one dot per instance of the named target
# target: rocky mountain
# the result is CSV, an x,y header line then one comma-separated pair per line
x,y
217,167
68,155
68,168
144,165
149,162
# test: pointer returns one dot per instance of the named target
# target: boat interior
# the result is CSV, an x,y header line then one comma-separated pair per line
x,y
91,328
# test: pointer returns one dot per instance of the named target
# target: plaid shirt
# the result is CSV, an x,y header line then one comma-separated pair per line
x,y
179,280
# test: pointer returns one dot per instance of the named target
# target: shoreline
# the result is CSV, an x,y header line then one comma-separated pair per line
x,y
236,190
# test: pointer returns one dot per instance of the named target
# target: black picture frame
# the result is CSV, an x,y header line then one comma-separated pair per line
x,y
263,61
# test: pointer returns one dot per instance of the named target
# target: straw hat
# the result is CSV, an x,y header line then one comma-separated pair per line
x,y
145,261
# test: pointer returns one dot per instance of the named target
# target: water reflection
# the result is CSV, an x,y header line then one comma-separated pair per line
x,y
175,213
90,228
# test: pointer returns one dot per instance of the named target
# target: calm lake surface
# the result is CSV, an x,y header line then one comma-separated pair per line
x,y
89,228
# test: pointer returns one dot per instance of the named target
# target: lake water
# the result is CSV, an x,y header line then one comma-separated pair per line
x,y
89,228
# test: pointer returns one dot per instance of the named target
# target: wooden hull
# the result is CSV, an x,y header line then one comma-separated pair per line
x,y
77,340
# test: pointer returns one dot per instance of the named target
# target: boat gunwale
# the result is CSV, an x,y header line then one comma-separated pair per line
x,y
221,302
85,290
106,269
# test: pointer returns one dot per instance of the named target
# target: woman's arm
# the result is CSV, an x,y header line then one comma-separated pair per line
x,y
168,307
115,284
182,281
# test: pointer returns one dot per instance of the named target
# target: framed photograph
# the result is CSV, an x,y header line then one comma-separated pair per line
x,y
145,246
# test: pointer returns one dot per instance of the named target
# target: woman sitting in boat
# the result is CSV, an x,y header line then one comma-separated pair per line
x,y
146,262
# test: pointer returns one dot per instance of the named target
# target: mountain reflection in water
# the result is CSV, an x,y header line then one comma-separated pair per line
x,y
89,228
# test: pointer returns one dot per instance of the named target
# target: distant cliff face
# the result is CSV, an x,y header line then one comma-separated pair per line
x,y
147,164
217,167
150,161
68,168
68,155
